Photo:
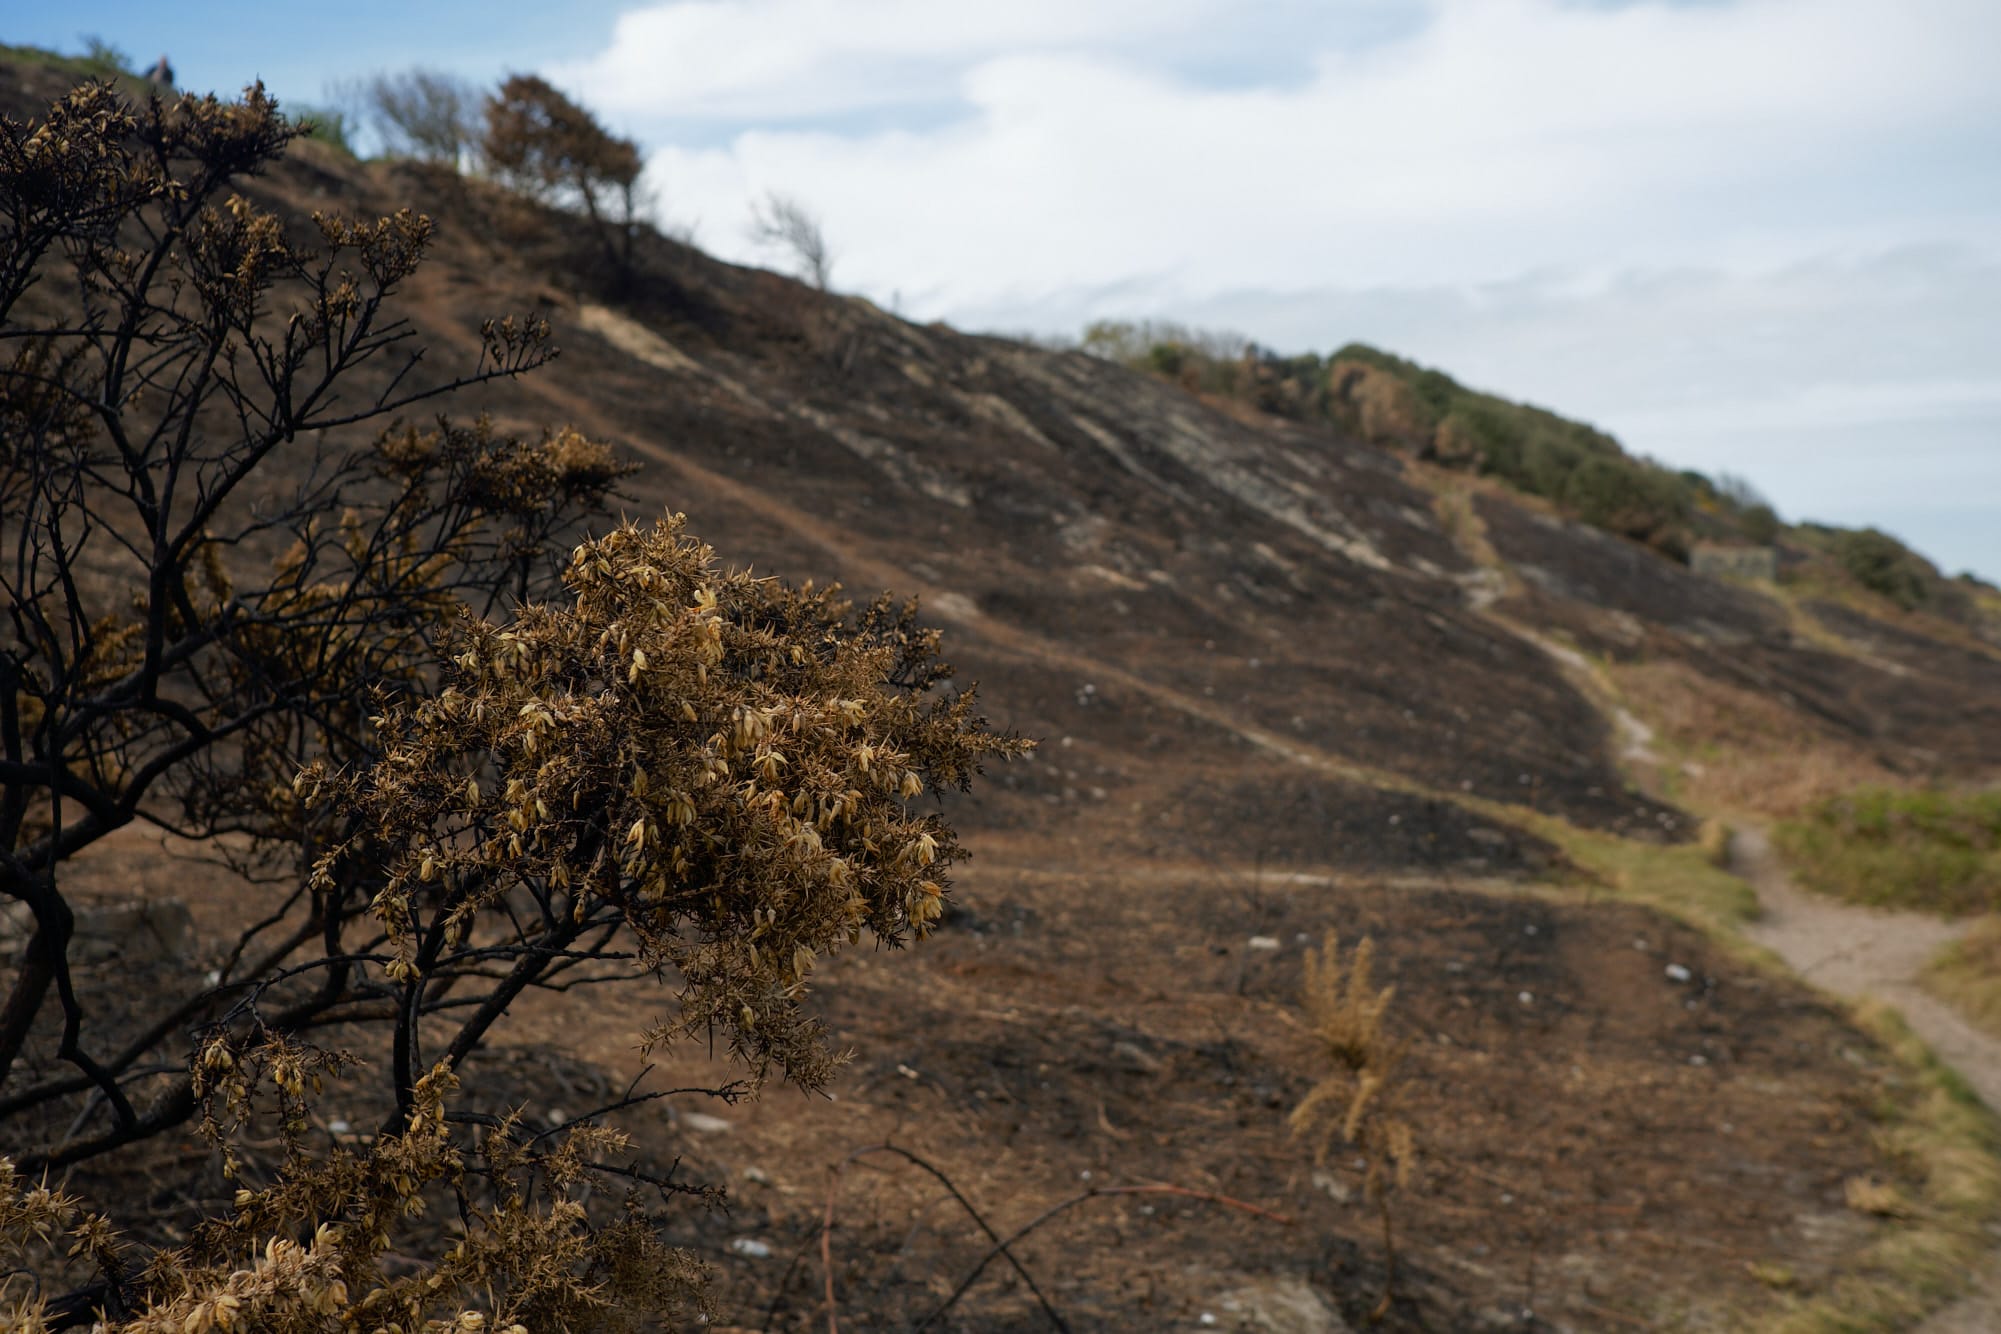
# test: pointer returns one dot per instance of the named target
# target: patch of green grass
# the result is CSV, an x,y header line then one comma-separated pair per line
x,y
1967,974
327,125
103,62
1934,850
1683,880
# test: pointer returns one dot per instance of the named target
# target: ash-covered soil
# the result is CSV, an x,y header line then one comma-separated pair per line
x,y
1615,1120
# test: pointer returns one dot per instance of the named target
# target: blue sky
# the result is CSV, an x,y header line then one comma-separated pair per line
x,y
1755,236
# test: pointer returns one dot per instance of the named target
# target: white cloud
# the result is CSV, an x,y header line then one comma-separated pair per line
x,y
1504,135
1623,210
777,59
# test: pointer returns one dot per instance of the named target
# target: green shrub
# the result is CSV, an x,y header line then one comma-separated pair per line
x,y
1882,564
1760,524
1550,464
1499,439
1935,850
1437,390
329,126
105,60
100,61
1390,401
1627,498
1166,359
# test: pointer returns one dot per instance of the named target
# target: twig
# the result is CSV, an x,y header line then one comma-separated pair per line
x,y
827,1246
784,1281
1157,1188
1382,1308
1048,1308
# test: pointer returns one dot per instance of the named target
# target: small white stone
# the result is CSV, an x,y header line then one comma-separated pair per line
x,y
751,1247
1263,942
703,1124
1678,973
1526,998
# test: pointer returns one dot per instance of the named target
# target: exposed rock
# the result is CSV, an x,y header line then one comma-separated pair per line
x,y
1135,1059
702,1123
1281,1306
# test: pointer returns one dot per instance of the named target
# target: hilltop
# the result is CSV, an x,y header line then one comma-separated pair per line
x,y
1292,672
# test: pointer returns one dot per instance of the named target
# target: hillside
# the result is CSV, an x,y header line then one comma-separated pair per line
x,y
1287,680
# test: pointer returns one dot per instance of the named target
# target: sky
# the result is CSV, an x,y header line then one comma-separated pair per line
x,y
1760,237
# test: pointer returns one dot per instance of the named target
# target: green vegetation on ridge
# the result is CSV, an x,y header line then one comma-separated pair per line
x,y
1398,404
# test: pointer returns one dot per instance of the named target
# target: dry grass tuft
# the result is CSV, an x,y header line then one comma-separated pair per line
x,y
1967,974
1345,1012
1354,1100
1874,1196
1714,841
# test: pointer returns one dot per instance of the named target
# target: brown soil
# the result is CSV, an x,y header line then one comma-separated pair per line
x,y
1603,1145
1605,1142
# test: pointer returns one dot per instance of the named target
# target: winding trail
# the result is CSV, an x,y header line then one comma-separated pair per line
x,y
1855,952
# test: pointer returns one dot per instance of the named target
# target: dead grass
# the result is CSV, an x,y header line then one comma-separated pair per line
x,y
1714,839
1740,751
1344,1011
1824,582
1967,974
1928,1253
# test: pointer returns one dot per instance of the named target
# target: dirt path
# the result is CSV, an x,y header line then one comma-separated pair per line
x,y
1854,952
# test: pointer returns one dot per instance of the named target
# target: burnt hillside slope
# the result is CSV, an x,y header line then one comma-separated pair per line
x,y
1184,599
